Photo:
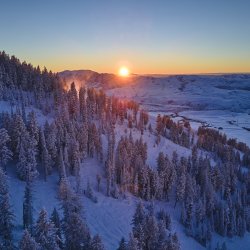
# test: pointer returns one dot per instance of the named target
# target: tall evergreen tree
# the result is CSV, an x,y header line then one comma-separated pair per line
x,y
73,101
5,152
57,223
45,157
139,220
122,245
76,232
96,243
45,232
28,243
132,243
27,163
32,127
6,214
28,208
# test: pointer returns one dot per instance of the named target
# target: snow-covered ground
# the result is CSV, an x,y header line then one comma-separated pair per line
x,y
217,101
220,101
110,218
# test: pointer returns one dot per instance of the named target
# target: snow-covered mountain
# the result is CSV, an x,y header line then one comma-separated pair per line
x,y
93,79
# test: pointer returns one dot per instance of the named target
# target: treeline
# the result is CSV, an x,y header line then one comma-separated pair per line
x,y
217,143
16,74
178,132
22,83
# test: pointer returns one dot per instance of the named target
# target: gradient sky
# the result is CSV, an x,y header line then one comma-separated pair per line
x,y
189,36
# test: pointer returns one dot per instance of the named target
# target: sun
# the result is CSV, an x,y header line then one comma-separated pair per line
x,y
123,71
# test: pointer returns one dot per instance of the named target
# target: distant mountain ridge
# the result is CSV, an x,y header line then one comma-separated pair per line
x,y
95,79
109,80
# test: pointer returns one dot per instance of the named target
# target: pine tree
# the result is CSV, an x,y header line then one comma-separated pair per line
x,y
83,139
65,191
132,243
51,139
28,243
75,158
28,208
57,223
18,129
45,232
5,152
26,166
76,232
32,127
181,184
83,107
24,113
138,222
45,157
161,162
161,235
151,232
73,101
175,242
122,245
6,214
62,169
96,243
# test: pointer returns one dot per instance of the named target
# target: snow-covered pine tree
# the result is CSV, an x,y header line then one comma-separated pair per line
x,y
132,243
50,138
55,218
45,157
122,244
96,243
75,158
28,242
18,129
73,101
5,152
45,232
82,101
28,208
138,220
61,169
6,214
76,232
180,186
26,165
151,233
32,127
82,136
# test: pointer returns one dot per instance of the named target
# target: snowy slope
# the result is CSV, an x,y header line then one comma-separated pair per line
x,y
216,100
203,99
110,217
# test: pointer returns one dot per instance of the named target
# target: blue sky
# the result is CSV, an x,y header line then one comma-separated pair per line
x,y
192,36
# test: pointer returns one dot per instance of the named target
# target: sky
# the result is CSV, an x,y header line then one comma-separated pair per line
x,y
147,36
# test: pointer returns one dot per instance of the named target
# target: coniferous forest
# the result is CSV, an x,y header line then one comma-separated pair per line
x,y
208,186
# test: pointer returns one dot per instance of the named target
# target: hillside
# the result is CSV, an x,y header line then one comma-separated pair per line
x,y
219,101
83,167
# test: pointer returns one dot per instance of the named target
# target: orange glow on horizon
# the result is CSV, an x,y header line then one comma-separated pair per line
x,y
141,64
